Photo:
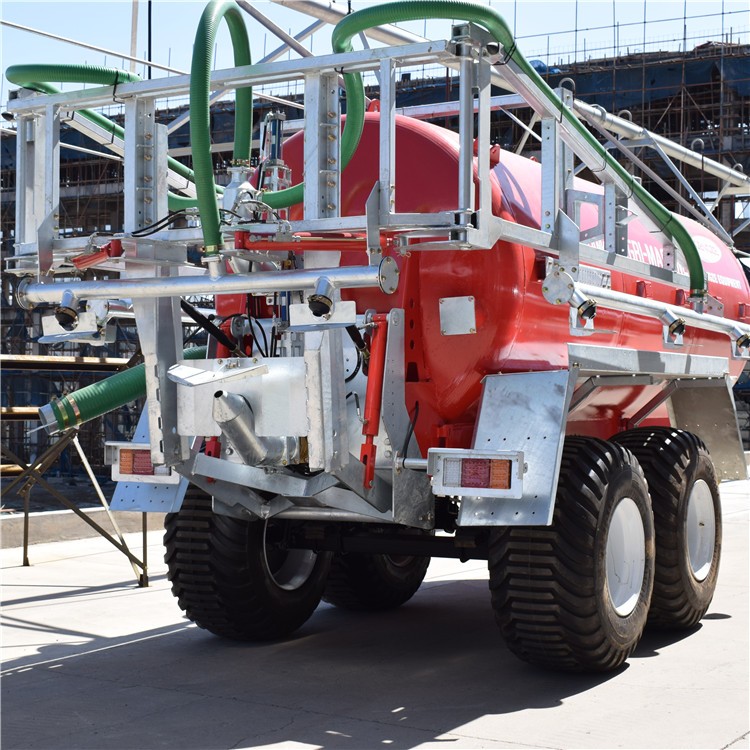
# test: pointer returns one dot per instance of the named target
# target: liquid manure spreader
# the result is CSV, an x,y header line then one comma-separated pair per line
x,y
422,345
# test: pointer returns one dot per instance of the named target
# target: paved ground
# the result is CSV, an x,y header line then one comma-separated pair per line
x,y
90,661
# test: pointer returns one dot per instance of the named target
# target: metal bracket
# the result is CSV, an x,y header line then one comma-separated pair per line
x,y
322,147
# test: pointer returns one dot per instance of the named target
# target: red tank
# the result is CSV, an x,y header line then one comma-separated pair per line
x,y
517,329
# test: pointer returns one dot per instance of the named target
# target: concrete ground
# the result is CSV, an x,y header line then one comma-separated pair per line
x,y
91,661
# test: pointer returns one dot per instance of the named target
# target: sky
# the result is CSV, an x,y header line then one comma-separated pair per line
x,y
544,29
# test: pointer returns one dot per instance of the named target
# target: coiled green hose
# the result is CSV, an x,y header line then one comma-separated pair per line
x,y
99,398
412,10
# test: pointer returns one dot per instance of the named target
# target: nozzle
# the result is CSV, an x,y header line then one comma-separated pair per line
x,y
321,302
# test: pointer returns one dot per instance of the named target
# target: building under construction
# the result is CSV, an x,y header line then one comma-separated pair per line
x,y
699,99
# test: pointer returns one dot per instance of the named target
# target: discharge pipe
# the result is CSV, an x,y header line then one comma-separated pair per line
x,y
384,276
235,417
99,398
394,12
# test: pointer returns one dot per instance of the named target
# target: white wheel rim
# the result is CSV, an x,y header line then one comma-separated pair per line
x,y
626,557
290,569
701,529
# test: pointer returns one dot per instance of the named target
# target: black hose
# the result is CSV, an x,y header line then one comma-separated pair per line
x,y
354,372
208,326
362,348
265,350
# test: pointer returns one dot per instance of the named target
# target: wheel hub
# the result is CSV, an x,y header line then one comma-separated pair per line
x,y
626,557
701,529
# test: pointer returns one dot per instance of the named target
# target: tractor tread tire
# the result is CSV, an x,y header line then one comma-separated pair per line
x,y
216,579
672,460
371,582
549,596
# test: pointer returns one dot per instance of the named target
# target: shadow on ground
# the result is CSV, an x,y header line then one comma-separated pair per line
x,y
346,680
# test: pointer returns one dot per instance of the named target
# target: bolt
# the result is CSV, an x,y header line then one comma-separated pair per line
x,y
545,288
472,330
443,332
330,206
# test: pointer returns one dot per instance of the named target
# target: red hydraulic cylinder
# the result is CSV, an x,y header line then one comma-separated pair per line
x,y
113,249
374,395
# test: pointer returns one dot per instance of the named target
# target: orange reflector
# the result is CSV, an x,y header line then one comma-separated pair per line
x,y
500,474
136,462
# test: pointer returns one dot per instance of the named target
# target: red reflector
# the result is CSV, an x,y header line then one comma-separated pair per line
x,y
142,463
136,462
475,472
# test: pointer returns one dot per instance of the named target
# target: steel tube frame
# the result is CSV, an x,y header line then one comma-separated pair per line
x,y
348,277
614,300
630,130
248,75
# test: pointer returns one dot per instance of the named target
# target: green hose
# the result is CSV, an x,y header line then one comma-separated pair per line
x,y
35,77
200,113
99,398
412,10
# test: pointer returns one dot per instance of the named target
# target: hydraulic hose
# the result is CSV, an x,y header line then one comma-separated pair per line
x,y
412,10
35,78
200,114
99,398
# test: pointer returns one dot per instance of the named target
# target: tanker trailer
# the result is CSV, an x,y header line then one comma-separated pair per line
x,y
430,347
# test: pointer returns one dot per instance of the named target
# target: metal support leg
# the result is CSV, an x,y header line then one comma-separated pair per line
x,y
33,475
102,499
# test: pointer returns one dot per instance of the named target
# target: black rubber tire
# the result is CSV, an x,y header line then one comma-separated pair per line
x,y
673,461
549,585
368,583
220,569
